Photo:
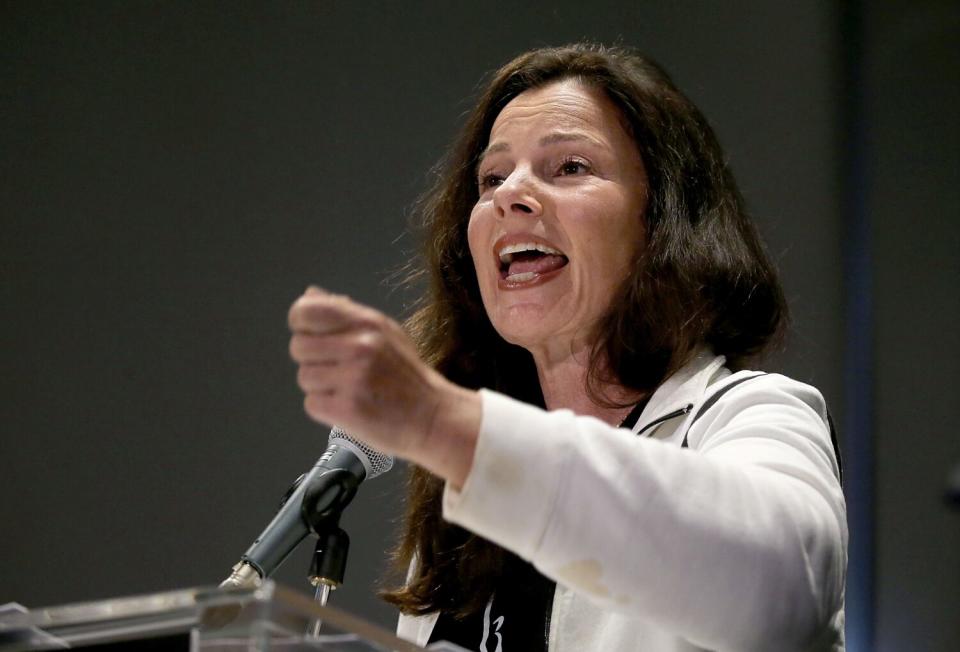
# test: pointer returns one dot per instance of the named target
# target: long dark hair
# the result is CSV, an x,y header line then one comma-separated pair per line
x,y
701,280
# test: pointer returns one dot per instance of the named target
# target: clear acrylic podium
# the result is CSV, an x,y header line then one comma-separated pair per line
x,y
207,620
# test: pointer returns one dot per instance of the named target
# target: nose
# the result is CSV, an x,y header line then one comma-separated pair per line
x,y
517,195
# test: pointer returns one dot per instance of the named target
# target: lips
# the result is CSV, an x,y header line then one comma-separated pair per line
x,y
525,260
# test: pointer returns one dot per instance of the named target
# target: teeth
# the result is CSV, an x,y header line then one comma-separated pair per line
x,y
506,254
520,278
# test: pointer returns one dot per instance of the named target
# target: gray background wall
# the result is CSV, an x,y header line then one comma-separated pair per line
x,y
913,73
172,176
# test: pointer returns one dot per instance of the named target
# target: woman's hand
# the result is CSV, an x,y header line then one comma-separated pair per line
x,y
361,371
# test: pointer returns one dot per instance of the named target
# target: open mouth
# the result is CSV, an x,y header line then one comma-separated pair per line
x,y
528,261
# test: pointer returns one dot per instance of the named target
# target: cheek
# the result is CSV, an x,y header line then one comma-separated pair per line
x,y
609,248
628,244
478,238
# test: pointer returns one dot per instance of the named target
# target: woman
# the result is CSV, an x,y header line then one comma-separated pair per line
x,y
596,291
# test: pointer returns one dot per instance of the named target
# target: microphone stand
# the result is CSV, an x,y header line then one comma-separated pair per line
x,y
322,502
329,562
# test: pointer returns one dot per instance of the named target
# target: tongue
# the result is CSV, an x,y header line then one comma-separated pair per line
x,y
536,263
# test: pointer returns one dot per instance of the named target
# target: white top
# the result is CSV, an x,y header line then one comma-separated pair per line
x,y
738,543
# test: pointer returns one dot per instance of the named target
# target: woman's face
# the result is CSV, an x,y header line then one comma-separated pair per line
x,y
559,221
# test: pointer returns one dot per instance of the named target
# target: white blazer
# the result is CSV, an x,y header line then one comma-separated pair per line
x,y
736,544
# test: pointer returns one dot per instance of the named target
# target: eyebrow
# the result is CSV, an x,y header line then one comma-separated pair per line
x,y
549,139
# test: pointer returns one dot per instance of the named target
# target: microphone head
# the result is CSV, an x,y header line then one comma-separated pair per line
x,y
374,462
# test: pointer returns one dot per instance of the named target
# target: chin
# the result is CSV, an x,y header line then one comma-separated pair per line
x,y
525,325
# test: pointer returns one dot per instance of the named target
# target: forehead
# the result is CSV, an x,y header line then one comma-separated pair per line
x,y
564,105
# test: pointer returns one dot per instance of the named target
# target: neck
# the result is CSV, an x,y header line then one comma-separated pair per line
x,y
564,382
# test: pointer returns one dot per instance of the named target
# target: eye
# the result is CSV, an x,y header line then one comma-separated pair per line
x,y
572,166
491,180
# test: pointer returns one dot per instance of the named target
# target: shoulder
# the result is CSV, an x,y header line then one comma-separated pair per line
x,y
751,411
753,388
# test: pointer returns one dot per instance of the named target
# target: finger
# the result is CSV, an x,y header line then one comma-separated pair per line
x,y
338,348
324,406
306,348
324,313
345,368
319,313
315,405
318,378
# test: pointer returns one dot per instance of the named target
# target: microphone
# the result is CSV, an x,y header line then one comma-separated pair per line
x,y
317,498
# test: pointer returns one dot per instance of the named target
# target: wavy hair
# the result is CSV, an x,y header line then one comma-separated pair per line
x,y
702,279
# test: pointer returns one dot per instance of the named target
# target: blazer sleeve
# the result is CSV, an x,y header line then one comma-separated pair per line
x,y
736,543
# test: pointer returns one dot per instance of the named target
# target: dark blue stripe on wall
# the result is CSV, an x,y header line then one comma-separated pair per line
x,y
858,446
